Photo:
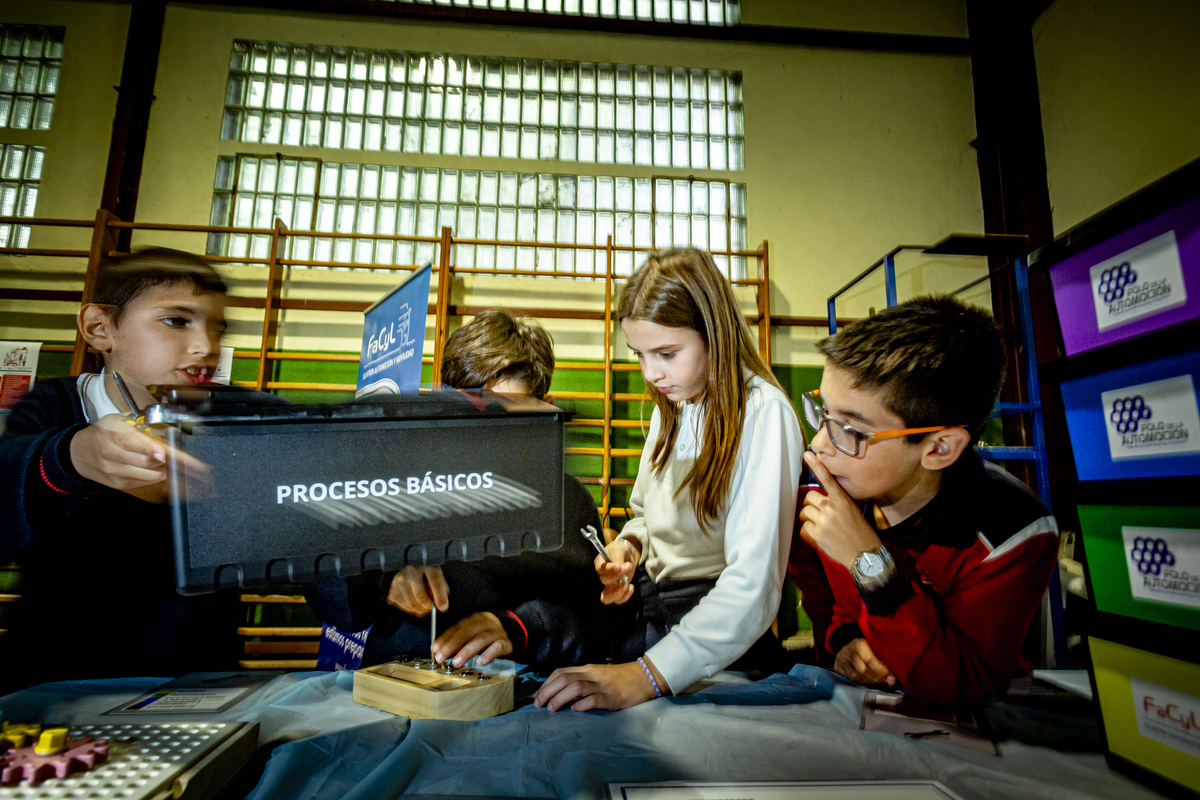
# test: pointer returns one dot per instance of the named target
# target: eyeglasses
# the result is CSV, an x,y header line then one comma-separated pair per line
x,y
847,438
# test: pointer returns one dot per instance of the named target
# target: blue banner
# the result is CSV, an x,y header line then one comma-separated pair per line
x,y
340,650
393,338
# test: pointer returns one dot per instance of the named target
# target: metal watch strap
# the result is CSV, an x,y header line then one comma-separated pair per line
x,y
874,583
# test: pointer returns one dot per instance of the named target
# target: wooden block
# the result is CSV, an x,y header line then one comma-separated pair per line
x,y
413,689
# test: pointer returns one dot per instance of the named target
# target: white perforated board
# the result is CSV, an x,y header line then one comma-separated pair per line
x,y
143,761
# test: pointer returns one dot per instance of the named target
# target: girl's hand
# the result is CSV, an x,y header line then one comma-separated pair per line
x,y
617,576
477,634
833,521
610,687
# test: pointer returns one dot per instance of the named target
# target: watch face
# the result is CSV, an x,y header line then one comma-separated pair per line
x,y
870,565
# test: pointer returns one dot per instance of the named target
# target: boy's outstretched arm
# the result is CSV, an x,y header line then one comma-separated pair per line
x,y
52,463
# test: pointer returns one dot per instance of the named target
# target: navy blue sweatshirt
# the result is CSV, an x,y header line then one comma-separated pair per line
x,y
97,591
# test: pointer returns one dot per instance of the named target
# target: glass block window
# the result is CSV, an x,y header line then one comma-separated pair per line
x,y
526,209
685,12
20,178
30,60
358,99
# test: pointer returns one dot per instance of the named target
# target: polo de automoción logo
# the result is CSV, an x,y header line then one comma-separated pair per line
x,y
1114,280
1151,555
1127,412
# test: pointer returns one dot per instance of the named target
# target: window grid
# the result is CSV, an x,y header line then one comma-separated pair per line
x,y
310,195
30,61
684,12
20,179
359,99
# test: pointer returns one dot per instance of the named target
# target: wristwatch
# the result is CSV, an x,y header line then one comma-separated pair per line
x,y
873,569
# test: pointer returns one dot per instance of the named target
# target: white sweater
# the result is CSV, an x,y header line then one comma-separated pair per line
x,y
745,548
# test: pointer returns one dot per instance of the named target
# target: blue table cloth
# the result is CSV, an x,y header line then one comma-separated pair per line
x,y
800,726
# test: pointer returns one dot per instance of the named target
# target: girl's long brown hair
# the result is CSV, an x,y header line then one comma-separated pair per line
x,y
684,289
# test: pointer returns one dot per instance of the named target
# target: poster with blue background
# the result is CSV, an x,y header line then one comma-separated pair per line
x,y
393,338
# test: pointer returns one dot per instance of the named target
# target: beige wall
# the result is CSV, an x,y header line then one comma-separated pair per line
x,y
76,156
1120,92
923,17
848,152
80,131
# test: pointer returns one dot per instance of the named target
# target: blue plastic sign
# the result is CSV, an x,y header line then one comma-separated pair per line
x,y
393,338
340,650
1139,421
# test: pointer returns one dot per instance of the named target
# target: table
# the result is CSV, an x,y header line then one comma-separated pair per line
x,y
803,725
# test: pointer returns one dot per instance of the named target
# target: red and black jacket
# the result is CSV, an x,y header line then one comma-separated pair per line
x,y
972,567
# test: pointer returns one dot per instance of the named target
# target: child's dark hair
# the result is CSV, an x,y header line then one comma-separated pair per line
x,y
119,282
494,347
935,359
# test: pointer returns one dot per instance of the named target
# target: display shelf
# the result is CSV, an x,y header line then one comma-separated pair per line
x,y
1147,491
1133,497
1163,342
1149,637
1146,707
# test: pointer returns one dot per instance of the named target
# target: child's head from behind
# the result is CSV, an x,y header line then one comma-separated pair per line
x,y
499,352
157,316
932,362
682,320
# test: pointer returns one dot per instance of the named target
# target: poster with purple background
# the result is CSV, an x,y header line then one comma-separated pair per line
x,y
1143,279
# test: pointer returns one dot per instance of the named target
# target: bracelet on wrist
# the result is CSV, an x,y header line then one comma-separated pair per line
x,y
650,675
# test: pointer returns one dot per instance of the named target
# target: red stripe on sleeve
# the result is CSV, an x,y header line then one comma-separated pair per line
x,y
523,630
46,478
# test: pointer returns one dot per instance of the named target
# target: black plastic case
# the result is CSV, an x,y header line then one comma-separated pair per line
x,y
436,478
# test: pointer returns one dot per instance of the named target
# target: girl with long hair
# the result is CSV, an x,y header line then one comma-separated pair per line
x,y
700,565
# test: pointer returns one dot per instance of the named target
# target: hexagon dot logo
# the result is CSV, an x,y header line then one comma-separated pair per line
x,y
1151,554
1114,280
1128,412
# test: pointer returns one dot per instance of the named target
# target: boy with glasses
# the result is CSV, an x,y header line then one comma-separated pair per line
x,y
920,565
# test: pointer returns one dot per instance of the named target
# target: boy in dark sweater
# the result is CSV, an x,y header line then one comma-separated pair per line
x,y
84,492
538,608
921,566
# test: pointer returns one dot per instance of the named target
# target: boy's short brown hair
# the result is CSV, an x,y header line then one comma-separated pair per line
x,y
495,346
935,360
119,282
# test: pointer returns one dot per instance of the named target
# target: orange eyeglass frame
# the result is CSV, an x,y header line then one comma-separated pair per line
x,y
859,436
